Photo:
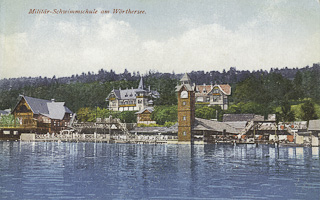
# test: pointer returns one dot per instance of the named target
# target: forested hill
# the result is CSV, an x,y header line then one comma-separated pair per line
x,y
231,76
260,92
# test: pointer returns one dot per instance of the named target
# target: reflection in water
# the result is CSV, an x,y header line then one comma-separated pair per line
x,y
106,171
315,152
299,152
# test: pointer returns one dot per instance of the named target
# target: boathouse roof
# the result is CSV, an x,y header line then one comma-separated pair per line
x,y
210,125
314,125
51,109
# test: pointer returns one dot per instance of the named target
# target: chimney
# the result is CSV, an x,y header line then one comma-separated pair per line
x,y
52,100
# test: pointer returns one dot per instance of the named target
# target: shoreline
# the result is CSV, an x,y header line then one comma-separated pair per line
x,y
136,141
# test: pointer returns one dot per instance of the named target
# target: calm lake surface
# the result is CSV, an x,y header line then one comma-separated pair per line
x,y
45,170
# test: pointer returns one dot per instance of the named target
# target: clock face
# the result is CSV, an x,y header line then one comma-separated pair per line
x,y
184,94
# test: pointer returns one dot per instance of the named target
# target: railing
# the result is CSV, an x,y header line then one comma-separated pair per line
x,y
18,126
128,105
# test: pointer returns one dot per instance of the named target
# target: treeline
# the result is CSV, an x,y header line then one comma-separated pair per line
x,y
230,76
281,91
79,95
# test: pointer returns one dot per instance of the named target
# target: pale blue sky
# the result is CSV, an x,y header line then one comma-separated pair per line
x,y
172,35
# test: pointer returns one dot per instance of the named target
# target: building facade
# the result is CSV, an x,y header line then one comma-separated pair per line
x,y
144,116
131,99
41,115
212,95
186,109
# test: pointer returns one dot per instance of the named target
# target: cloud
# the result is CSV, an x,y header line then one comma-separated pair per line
x,y
59,47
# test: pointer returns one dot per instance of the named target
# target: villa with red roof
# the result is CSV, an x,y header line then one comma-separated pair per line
x,y
213,95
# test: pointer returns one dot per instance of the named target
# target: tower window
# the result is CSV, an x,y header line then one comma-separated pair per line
x,y
184,118
184,103
184,133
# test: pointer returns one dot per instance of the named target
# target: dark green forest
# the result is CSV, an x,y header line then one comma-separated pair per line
x,y
293,94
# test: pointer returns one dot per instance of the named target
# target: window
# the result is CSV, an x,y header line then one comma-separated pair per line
x,y
208,99
184,103
216,98
139,101
184,133
184,118
199,99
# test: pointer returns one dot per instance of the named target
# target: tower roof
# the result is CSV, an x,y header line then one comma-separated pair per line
x,y
185,78
140,84
185,81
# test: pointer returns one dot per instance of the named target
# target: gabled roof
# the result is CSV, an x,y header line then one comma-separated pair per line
x,y
205,124
38,106
53,110
150,109
57,110
225,88
185,77
238,125
200,88
187,86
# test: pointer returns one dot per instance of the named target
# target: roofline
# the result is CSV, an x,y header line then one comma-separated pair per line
x,y
220,89
22,96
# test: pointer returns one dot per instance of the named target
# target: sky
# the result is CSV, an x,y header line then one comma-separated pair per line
x,y
179,36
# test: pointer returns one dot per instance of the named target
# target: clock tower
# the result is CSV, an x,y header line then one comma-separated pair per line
x,y
186,109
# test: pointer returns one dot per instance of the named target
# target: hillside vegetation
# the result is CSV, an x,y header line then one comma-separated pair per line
x,y
282,91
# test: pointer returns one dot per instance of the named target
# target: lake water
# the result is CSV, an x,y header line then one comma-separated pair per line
x,y
45,170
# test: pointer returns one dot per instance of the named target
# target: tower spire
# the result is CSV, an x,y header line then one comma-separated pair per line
x,y
185,79
141,84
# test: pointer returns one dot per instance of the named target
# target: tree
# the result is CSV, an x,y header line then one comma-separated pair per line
x,y
209,112
286,115
8,120
128,116
298,85
308,111
163,114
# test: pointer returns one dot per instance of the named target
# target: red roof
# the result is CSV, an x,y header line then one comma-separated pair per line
x,y
199,88
226,88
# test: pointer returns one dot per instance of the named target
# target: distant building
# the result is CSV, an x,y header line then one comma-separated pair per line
x,y
314,127
4,112
213,95
144,116
41,115
242,117
132,99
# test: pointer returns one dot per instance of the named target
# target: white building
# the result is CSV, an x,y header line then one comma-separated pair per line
x,y
131,99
